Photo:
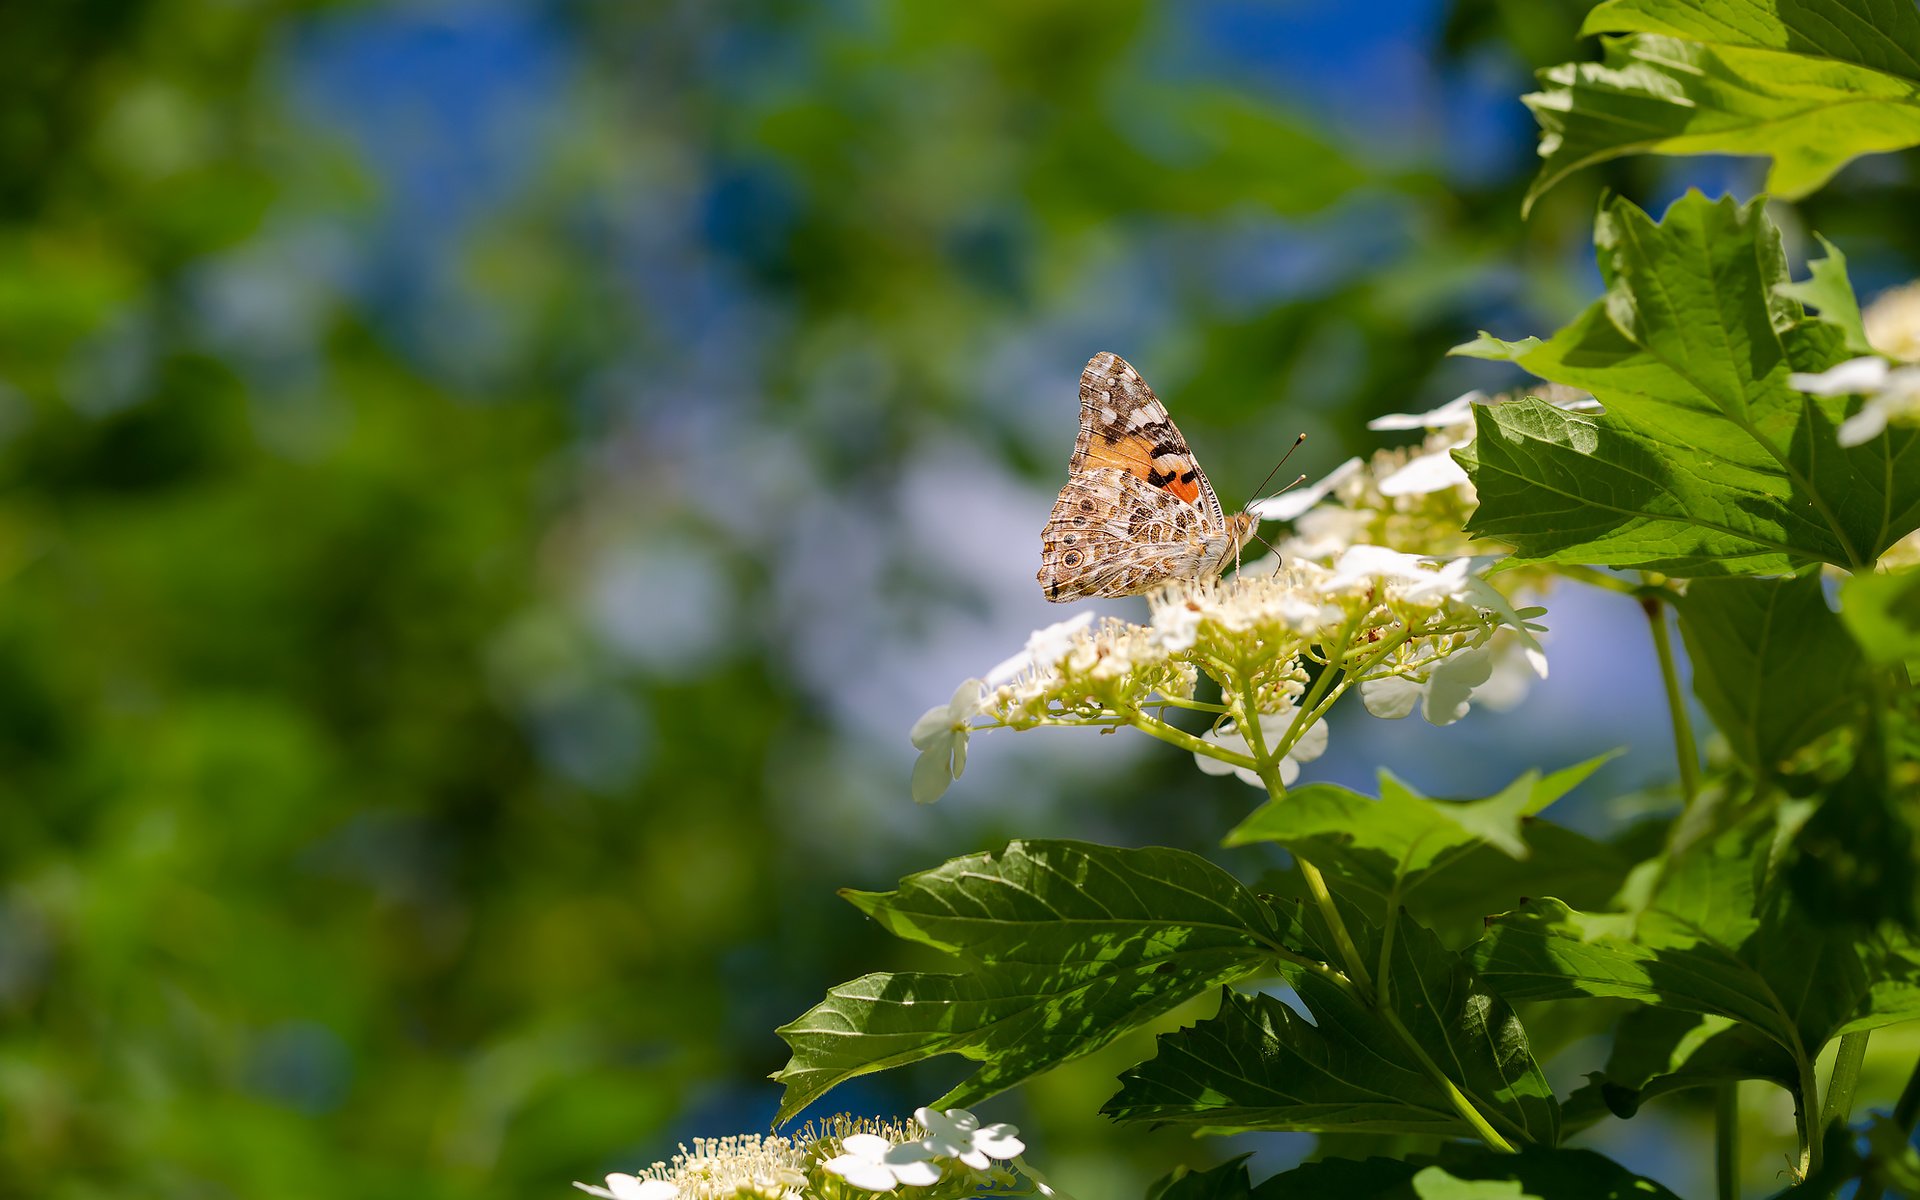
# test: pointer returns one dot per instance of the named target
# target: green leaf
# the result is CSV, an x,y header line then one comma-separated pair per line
x,y
1228,1181
1705,462
1543,950
1064,902
1882,611
1467,1173
1830,293
1490,347
1661,1050
1772,664
1071,945
1853,861
1260,1065
1381,843
1811,83
1717,938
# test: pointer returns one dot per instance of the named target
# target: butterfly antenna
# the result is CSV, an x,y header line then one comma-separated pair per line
x,y
1276,471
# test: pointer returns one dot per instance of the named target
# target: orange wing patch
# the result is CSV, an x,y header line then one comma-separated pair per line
x,y
1171,471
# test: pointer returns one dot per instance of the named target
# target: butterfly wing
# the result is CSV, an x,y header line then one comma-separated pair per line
x,y
1114,534
1123,425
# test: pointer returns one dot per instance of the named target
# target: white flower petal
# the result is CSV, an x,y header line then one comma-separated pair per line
x,y
862,1172
628,1187
1288,505
1427,473
1450,686
1869,423
999,1141
870,1146
933,771
1390,696
920,1173
1045,648
933,726
1457,411
907,1154
1213,766
1312,743
1855,376
1289,771
1363,565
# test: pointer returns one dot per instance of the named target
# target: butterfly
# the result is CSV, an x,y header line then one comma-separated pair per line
x,y
1137,510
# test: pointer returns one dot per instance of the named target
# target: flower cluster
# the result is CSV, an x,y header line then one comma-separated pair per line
x,y
747,1167
937,1156
1414,498
1280,643
950,1147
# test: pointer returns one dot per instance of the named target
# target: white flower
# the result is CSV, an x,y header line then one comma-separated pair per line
x,y
941,737
1892,394
1451,415
1323,532
1445,685
1856,375
1407,576
1892,322
1427,473
1273,727
1516,666
872,1162
749,1166
1288,505
1444,692
958,1134
1045,648
628,1187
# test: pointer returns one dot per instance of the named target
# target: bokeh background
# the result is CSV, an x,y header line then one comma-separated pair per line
x,y
485,488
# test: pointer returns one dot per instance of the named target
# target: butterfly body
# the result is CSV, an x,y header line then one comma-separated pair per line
x,y
1137,511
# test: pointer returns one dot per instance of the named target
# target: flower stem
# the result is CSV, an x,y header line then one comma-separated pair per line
x,y
1683,745
1469,1112
1842,1081
1155,727
1267,765
1726,1142
1350,955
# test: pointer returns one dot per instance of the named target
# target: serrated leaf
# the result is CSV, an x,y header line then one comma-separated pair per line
x,y
1228,1181
1772,664
1259,1065
1054,902
1543,950
1830,293
1853,861
1705,462
1882,612
1718,939
1467,1173
1495,349
1072,945
1404,833
1811,83
1661,1050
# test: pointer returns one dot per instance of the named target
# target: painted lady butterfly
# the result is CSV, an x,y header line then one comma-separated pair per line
x,y
1137,510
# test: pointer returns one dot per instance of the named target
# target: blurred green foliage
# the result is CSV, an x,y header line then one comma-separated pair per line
x,y
426,771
